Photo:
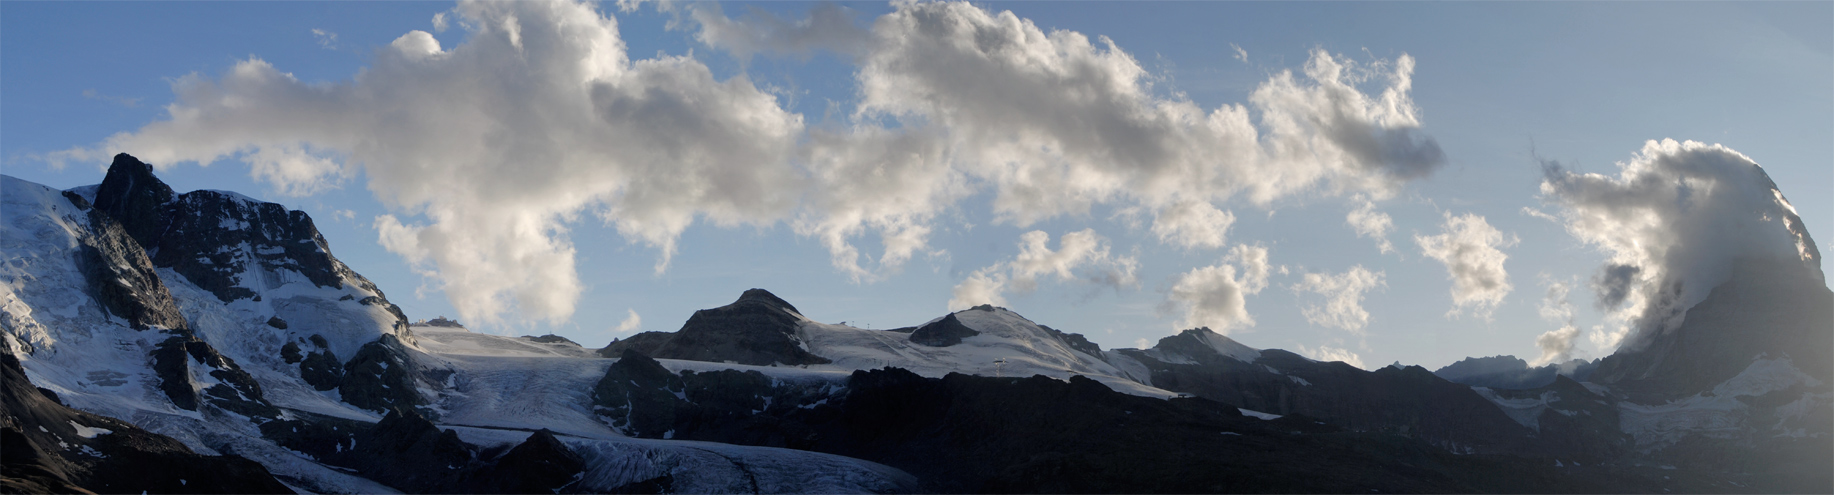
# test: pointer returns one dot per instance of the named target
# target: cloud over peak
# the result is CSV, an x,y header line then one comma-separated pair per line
x,y
1673,223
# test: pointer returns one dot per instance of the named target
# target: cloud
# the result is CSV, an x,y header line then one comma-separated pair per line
x,y
489,153
1673,223
1556,345
1214,296
1055,124
630,324
1343,307
1084,249
1328,354
1240,54
495,146
1367,222
828,27
118,100
1193,224
1469,249
326,39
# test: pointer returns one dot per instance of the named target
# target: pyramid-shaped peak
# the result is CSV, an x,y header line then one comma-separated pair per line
x,y
765,297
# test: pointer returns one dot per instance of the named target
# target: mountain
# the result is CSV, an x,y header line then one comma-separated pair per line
x,y
225,325
153,336
1510,372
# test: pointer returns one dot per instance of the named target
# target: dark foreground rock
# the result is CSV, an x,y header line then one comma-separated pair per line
x,y
44,451
964,433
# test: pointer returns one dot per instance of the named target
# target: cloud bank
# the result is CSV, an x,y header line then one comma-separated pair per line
x,y
1674,223
490,152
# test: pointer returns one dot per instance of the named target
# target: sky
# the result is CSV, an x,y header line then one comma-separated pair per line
x,y
1369,182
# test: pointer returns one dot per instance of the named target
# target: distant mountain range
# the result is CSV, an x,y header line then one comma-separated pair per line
x,y
207,342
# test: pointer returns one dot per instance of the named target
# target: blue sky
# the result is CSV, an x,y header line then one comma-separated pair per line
x,y
1496,86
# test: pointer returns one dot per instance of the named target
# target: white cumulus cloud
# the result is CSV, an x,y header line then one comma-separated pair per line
x,y
1470,249
1082,250
1674,222
631,323
1343,306
1193,224
1215,296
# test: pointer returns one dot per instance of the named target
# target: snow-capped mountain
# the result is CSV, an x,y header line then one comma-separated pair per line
x,y
208,329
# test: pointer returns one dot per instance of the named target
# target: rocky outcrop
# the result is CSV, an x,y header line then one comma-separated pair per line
x,y
122,279
381,377
320,367
50,448
642,399
179,361
410,453
945,332
757,329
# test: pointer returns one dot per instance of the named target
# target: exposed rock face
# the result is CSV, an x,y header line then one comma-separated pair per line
x,y
121,277
381,377
1773,309
1076,341
638,396
179,357
188,232
945,332
320,367
758,329
50,448
410,453
550,339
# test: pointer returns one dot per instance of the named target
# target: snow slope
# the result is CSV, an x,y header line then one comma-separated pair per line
x,y
1025,347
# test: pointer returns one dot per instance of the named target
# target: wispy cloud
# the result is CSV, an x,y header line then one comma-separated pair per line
x,y
118,100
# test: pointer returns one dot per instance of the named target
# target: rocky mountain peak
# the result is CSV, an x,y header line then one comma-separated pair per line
x,y
764,297
133,196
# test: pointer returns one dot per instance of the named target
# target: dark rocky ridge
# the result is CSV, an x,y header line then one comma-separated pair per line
x,y
990,435
410,453
1773,309
1406,401
44,453
758,329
